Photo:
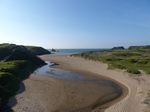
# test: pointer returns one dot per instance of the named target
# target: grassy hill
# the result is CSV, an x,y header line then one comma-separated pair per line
x,y
7,45
4,52
32,49
37,50
133,59
19,65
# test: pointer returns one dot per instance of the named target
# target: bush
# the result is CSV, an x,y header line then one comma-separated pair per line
x,y
134,71
132,60
113,59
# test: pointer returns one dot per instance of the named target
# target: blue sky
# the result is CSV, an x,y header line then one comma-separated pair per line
x,y
75,23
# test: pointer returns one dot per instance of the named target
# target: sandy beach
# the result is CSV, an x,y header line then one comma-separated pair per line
x,y
50,91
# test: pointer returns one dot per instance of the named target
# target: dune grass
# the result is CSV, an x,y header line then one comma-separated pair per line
x,y
132,60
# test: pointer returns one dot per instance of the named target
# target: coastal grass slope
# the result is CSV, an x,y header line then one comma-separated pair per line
x,y
18,63
4,52
32,49
37,50
133,60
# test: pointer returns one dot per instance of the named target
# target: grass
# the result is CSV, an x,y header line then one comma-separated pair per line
x,y
37,50
21,62
32,49
17,67
21,55
7,45
11,73
132,60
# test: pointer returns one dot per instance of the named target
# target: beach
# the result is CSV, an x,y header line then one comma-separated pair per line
x,y
41,93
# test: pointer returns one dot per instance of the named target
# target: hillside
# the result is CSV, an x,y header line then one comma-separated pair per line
x,y
4,52
19,64
37,50
32,49
133,60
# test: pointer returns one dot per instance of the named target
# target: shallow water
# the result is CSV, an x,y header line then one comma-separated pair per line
x,y
69,75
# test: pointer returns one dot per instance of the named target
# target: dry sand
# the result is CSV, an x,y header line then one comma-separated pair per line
x,y
73,92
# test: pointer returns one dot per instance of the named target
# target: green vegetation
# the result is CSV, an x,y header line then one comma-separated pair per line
x,y
11,72
4,52
32,49
116,48
7,45
37,50
21,55
19,65
133,59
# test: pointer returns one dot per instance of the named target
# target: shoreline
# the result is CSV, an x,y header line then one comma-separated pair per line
x,y
60,63
136,87
134,90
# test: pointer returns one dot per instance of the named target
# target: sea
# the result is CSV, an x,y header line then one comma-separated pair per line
x,y
76,50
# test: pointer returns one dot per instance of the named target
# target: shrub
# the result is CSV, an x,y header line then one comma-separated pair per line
x,y
134,71
113,59
132,60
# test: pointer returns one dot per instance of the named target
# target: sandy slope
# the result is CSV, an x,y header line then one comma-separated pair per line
x,y
138,86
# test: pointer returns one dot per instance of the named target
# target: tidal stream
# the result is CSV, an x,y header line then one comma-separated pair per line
x,y
69,75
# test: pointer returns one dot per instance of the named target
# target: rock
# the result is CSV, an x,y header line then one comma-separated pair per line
x,y
116,48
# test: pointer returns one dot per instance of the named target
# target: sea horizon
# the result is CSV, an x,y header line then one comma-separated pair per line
x,y
75,50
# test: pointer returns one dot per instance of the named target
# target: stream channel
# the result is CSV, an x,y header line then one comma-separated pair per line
x,y
47,70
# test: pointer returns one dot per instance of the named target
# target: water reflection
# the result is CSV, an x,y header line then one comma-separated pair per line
x,y
69,75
